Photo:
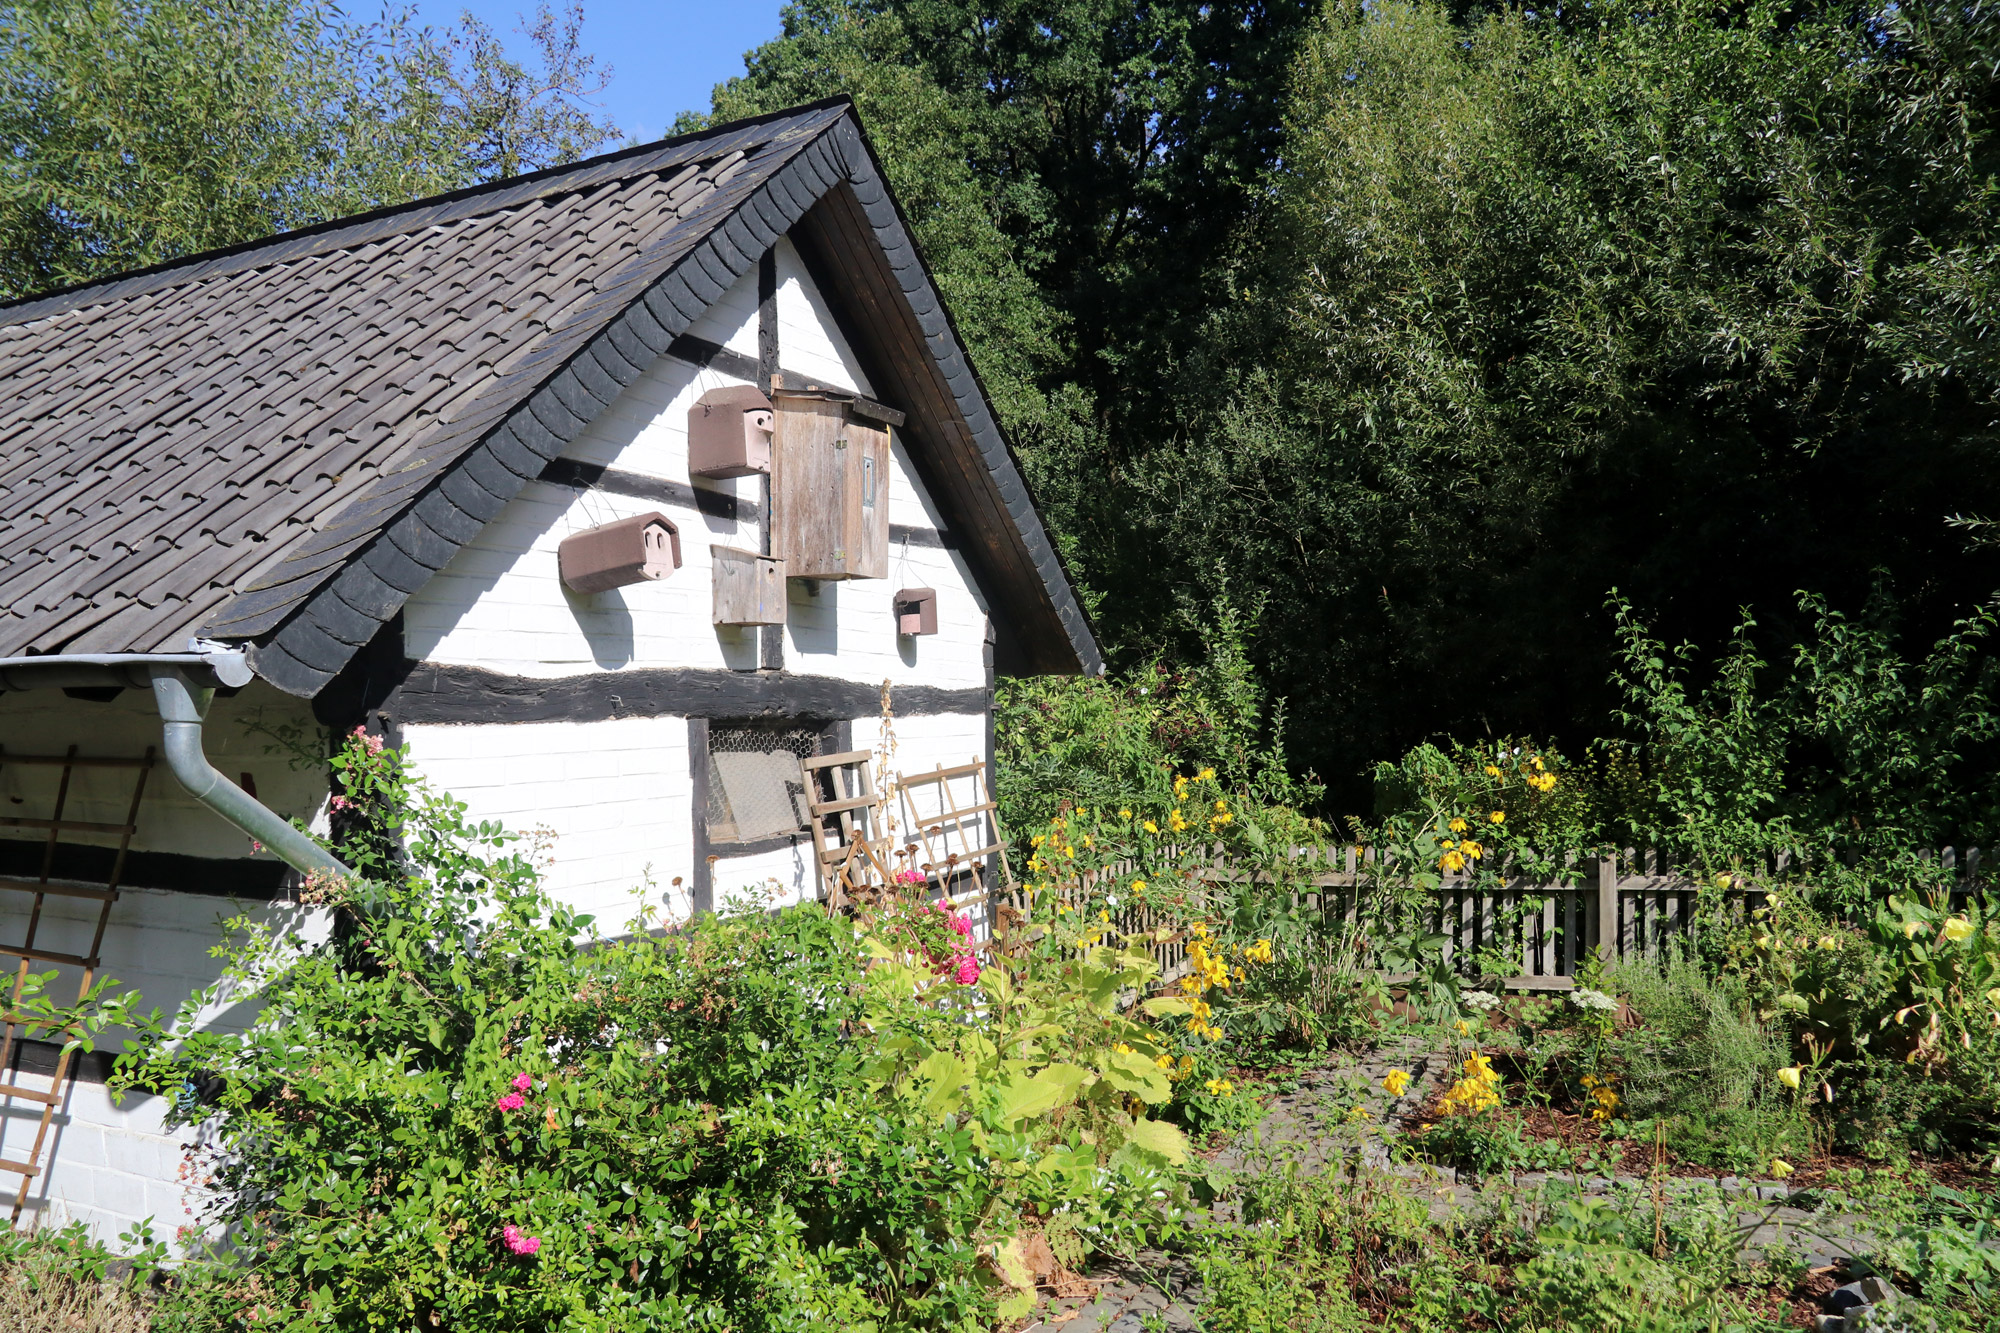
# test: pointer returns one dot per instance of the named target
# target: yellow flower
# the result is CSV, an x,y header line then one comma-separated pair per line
x,y
1124,814
1452,861
1472,849
1150,826
1492,770
1221,805
1780,1167
1164,1061
1957,928
1993,997
1498,817
1205,775
1789,1076
1396,1082
1175,821
1463,1028
1722,881
1138,886
1456,826
1220,1087
1121,1048
1828,942
1536,760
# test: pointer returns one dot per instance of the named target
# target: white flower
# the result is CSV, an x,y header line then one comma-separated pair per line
x,y
1484,1001
1584,998
1111,901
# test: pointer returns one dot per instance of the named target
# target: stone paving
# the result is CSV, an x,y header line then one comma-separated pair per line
x,y
1339,1111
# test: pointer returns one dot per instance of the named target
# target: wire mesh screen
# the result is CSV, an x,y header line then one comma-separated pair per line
x,y
754,790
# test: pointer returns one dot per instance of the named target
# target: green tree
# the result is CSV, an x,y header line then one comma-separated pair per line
x,y
1672,298
134,133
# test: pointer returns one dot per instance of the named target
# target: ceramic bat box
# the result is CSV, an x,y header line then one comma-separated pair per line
x,y
632,550
729,433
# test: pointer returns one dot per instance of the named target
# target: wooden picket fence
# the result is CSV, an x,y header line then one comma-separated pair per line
x,y
1550,926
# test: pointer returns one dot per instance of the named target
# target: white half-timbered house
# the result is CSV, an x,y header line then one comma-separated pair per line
x,y
610,492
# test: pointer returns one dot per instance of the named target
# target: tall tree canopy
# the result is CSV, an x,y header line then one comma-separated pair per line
x,y
1434,323
134,132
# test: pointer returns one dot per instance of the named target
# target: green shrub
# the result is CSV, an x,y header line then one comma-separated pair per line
x,y
1702,1061
457,1109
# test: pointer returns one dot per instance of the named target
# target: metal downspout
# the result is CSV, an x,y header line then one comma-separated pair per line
x,y
183,705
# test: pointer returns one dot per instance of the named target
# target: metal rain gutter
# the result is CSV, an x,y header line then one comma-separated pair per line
x,y
183,685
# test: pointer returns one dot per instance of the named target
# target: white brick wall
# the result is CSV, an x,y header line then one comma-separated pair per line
x,y
113,1163
614,793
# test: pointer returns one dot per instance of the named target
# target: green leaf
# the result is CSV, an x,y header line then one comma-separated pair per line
x,y
1159,1138
1130,1072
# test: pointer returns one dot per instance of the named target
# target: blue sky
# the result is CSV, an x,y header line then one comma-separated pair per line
x,y
665,55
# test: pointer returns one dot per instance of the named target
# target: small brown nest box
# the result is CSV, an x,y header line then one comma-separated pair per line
x,y
729,433
916,611
632,550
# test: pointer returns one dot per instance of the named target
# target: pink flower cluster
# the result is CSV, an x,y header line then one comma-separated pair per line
x,y
964,965
514,1101
909,876
373,744
518,1242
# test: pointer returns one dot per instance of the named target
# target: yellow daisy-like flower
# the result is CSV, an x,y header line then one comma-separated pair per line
x,y
1451,861
1124,814
1138,886
1472,849
1492,770
1164,1061
1150,826
1497,817
1220,1087
1396,1082
1205,775
1456,826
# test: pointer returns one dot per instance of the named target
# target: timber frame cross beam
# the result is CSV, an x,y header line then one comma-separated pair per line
x,y
15,1024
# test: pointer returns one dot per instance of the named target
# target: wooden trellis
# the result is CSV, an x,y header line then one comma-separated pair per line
x,y
844,814
952,842
14,1022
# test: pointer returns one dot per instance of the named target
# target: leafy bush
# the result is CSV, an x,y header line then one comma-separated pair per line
x,y
1701,1060
455,1108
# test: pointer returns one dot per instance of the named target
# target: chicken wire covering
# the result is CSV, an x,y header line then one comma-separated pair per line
x,y
754,788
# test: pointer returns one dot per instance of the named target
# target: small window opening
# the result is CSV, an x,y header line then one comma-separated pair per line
x,y
754,788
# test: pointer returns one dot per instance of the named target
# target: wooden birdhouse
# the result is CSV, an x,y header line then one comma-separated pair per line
x,y
729,433
829,488
916,611
749,588
632,550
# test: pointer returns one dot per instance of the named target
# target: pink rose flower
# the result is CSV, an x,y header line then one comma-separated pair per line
x,y
517,1242
513,1101
968,970
962,924
524,1081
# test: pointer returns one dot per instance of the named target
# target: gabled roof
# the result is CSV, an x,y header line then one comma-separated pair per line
x,y
282,441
